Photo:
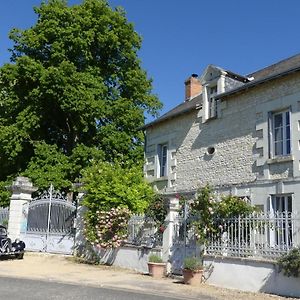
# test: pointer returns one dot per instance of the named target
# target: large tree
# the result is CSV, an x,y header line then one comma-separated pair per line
x,y
73,92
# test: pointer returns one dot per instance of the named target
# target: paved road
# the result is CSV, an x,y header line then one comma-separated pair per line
x,y
23,289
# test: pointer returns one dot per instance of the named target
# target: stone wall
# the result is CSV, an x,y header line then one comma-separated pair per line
x,y
239,136
250,275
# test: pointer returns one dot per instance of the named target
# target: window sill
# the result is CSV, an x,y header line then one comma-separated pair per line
x,y
280,159
155,179
163,178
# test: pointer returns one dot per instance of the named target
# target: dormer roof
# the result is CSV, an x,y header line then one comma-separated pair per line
x,y
213,72
277,70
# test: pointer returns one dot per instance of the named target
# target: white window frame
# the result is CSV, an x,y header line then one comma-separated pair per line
x,y
212,91
162,169
285,141
281,203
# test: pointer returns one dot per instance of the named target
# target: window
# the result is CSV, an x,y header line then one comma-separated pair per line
x,y
162,160
281,134
281,229
212,103
281,203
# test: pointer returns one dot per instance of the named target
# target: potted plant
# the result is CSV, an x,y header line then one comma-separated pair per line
x,y
192,270
156,266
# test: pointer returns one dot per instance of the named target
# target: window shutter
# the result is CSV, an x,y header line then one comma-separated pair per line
x,y
272,233
290,117
270,135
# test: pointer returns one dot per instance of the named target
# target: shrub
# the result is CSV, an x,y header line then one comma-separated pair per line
x,y
289,263
192,263
154,258
114,191
208,212
107,229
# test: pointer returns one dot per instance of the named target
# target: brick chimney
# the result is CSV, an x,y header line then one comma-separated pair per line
x,y
193,87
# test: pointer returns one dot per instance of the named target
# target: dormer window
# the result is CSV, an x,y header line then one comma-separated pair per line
x,y
216,81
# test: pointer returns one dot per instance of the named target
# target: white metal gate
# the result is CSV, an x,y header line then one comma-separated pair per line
x,y
50,224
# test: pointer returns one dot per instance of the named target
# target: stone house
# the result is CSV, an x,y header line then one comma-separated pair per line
x,y
240,134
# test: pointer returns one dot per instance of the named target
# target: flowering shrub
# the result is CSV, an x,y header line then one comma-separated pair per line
x,y
157,211
107,229
208,213
113,192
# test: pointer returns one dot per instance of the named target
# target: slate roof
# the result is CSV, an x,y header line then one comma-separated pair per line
x,y
182,108
282,68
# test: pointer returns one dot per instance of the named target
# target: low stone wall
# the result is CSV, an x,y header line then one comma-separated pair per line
x,y
129,256
250,275
135,258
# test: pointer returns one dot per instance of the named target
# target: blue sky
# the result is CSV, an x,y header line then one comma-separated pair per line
x,y
181,37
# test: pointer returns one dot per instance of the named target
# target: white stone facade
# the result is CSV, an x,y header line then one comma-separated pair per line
x,y
241,163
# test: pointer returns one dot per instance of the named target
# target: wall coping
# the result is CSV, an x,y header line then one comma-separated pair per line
x,y
242,259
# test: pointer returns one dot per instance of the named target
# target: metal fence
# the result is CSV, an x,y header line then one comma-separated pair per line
x,y
261,235
4,215
143,231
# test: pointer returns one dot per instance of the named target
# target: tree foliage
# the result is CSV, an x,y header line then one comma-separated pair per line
x,y
111,185
75,92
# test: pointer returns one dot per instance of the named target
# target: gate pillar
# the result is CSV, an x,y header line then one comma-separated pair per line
x,y
168,234
22,190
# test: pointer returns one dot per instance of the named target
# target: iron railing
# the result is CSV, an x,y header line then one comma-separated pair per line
x,y
143,231
261,235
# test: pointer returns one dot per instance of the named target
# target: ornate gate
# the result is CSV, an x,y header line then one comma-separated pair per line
x,y
50,224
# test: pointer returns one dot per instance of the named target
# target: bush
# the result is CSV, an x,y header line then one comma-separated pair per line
x,y
289,263
208,212
113,193
107,229
192,263
154,258
112,185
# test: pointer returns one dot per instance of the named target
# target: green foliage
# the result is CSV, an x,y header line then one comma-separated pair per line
x,y
154,258
157,211
289,263
209,213
192,263
5,193
231,206
76,89
48,164
111,185
113,191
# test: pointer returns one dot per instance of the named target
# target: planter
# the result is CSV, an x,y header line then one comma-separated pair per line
x,y
192,277
157,270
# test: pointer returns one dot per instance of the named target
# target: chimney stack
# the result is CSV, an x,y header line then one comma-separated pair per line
x,y
193,87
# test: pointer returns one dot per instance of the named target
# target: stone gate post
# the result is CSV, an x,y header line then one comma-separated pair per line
x,y
22,190
168,235
80,240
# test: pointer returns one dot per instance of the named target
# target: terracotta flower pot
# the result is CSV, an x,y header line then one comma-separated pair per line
x,y
156,270
192,277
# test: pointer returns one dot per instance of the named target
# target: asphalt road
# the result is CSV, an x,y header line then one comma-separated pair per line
x,y
23,289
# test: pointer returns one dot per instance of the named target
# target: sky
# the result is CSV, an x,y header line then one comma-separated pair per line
x,y
182,37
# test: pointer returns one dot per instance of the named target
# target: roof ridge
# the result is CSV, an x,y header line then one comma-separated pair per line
x,y
273,65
